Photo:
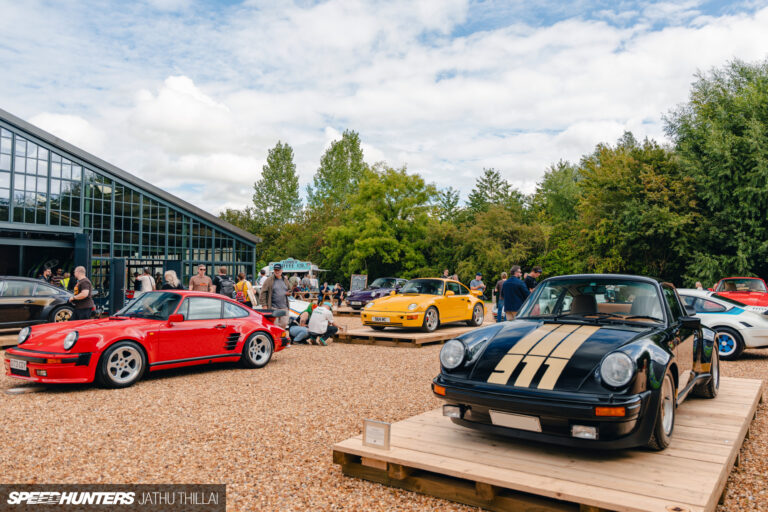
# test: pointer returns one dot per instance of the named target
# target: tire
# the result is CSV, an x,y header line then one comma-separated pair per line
x,y
431,320
61,314
665,416
709,388
257,350
121,365
478,315
730,345
377,327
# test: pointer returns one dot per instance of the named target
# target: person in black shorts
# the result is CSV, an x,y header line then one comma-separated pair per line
x,y
530,279
82,300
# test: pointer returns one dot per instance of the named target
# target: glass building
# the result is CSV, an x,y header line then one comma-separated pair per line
x,y
63,207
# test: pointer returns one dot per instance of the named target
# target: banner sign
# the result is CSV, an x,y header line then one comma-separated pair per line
x,y
292,265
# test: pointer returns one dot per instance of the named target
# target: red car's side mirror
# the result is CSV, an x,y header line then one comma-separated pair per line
x,y
711,289
173,319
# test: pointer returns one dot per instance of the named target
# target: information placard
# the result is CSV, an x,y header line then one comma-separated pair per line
x,y
376,434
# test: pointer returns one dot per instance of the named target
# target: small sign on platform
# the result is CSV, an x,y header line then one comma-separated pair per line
x,y
376,434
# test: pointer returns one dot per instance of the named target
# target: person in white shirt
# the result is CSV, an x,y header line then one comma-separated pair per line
x,y
321,323
147,281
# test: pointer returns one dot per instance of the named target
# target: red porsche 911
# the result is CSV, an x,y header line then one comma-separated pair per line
x,y
160,330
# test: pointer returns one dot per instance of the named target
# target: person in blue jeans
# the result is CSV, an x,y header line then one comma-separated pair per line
x,y
500,298
515,292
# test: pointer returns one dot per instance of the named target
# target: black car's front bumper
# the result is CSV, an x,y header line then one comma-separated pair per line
x,y
557,414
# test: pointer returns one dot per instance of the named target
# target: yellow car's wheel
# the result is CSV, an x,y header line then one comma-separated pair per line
x,y
431,320
478,315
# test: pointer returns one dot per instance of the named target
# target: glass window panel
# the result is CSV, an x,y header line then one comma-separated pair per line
x,y
21,146
19,166
55,158
42,167
56,169
42,153
203,308
31,150
66,171
30,183
5,162
19,289
76,172
5,180
42,185
55,187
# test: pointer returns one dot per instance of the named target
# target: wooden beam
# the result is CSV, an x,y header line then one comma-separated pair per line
x,y
485,491
398,471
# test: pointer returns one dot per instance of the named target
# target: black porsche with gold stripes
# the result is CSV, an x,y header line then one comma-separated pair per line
x,y
594,360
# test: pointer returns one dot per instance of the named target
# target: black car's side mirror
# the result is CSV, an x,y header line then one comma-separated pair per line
x,y
690,310
691,322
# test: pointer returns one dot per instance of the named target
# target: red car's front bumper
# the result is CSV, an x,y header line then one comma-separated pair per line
x,y
49,367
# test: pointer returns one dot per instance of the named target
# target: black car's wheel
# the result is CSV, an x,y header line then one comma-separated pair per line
x,y
729,343
709,388
121,365
61,314
478,315
257,350
431,320
377,327
665,418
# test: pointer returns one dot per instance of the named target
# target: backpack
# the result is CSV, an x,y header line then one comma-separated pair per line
x,y
240,289
227,286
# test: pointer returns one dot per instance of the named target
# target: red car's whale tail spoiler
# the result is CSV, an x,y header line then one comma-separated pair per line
x,y
272,313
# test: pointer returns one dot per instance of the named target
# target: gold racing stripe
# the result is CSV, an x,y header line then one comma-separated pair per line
x,y
572,343
508,363
545,346
555,367
532,365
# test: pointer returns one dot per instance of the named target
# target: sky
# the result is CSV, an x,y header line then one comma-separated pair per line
x,y
191,95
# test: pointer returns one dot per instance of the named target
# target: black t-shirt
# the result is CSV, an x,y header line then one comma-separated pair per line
x,y
169,286
82,285
530,282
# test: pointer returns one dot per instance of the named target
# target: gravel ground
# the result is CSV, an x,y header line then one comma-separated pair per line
x,y
265,433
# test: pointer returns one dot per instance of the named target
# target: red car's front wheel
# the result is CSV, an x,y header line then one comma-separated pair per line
x,y
121,365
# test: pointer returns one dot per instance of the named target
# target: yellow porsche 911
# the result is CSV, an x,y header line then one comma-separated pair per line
x,y
425,303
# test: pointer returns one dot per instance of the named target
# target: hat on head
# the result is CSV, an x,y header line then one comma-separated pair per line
x,y
277,267
478,274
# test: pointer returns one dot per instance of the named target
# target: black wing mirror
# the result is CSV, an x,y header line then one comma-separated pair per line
x,y
690,310
691,322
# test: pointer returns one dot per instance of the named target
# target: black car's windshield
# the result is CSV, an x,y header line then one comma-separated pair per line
x,y
154,305
423,286
741,285
595,299
383,282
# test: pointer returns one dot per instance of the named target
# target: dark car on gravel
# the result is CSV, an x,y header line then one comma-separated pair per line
x,y
597,361
25,301
378,288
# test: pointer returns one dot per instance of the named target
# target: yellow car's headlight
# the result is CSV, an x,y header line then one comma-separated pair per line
x,y
369,305
413,306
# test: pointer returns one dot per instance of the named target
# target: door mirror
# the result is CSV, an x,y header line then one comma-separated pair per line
x,y
174,319
711,289
393,292
449,293
691,322
690,310
476,293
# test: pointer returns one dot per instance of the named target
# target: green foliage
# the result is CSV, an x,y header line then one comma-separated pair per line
x,y
558,193
721,135
383,230
447,204
341,168
492,189
276,194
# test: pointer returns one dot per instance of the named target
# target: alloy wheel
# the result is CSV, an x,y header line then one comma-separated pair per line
x,y
260,349
124,365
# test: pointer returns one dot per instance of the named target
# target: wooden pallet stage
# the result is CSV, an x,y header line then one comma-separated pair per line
x,y
394,337
9,337
346,311
431,455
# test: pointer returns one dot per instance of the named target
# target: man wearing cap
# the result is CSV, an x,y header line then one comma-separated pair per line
x,y
477,284
274,294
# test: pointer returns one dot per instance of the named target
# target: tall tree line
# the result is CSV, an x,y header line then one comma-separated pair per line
x,y
692,210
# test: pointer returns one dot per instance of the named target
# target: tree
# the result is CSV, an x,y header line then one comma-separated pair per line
x,y
383,231
721,135
276,194
558,193
341,168
447,204
490,189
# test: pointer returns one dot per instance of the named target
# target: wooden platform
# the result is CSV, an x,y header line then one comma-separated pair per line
x,y
9,337
394,337
431,455
346,311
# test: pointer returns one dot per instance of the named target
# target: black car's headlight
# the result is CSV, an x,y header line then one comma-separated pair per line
x,y
617,369
70,340
23,335
452,354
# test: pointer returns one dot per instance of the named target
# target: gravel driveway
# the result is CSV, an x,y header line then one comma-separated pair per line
x,y
266,433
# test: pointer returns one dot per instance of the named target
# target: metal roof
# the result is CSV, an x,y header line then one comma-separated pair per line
x,y
124,175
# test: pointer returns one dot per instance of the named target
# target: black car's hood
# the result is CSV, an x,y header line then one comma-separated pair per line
x,y
549,356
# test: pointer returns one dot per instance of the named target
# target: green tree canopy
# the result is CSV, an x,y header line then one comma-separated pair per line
x,y
341,168
383,230
721,135
276,194
491,189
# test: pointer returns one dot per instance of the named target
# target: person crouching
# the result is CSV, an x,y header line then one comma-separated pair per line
x,y
321,325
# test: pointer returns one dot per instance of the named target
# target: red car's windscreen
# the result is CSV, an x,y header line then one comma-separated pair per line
x,y
741,285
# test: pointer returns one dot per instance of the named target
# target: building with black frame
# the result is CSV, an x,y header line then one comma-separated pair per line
x,y
62,207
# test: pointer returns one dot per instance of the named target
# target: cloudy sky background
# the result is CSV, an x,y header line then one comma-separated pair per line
x,y
191,95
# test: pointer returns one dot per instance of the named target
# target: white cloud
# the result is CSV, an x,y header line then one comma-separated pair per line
x,y
192,101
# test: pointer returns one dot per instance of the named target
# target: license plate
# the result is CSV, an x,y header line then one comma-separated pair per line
x,y
519,421
18,364
381,319
355,303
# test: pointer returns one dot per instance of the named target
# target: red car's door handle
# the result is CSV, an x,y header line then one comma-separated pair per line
x,y
220,326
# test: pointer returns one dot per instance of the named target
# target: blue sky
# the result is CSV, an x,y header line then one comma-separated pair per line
x,y
191,95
